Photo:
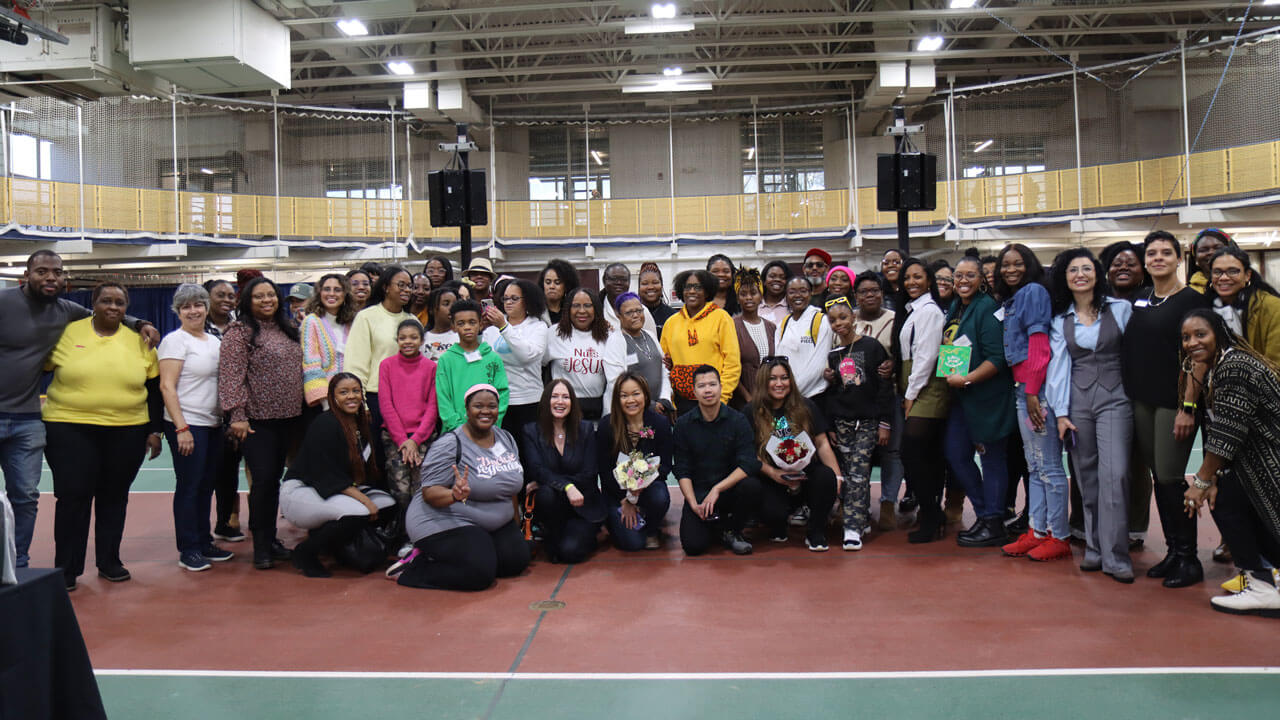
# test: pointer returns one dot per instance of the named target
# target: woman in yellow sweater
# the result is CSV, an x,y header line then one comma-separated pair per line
x,y
373,339
701,333
104,410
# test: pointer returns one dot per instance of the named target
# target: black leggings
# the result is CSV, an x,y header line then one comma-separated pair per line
x,y
818,491
922,458
567,537
1242,529
467,558
731,511
265,451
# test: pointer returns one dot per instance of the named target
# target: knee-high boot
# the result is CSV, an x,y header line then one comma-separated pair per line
x,y
1169,506
1188,570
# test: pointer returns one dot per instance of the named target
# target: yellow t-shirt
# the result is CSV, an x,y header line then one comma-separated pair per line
x,y
99,380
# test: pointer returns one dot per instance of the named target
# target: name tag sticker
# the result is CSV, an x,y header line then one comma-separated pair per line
x,y
497,450
999,314
473,356
1141,303
632,359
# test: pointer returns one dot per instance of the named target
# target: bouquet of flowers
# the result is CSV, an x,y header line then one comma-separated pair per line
x,y
634,472
789,450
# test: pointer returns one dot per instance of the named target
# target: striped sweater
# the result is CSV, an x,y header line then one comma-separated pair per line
x,y
321,357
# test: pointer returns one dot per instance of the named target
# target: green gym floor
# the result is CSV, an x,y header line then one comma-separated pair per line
x,y
893,631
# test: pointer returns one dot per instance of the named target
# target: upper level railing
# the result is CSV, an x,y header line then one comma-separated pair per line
x,y
48,204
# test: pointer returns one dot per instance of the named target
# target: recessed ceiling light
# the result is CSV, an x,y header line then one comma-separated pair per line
x,y
351,27
963,4
663,11
400,67
929,43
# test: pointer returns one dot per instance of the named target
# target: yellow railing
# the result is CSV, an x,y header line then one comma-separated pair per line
x,y
1250,168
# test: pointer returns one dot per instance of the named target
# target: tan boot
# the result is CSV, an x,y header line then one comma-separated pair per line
x,y
955,505
888,517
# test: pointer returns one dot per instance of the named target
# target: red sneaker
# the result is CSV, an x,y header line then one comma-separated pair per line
x,y
1025,543
1051,548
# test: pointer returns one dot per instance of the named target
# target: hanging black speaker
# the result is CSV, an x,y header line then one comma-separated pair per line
x,y
906,181
457,198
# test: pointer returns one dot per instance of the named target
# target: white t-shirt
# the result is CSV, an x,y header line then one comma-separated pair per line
x,y
578,359
521,348
198,380
434,344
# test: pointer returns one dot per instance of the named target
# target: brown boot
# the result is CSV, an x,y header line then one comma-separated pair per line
x,y
888,518
955,505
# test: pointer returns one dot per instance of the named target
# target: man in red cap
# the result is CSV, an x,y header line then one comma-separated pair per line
x,y
816,263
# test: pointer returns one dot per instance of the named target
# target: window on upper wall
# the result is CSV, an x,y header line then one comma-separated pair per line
x,y
361,179
787,151
563,167
30,157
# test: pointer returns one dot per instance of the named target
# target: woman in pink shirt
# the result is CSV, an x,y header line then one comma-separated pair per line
x,y
407,398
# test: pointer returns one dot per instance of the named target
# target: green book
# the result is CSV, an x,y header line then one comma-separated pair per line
x,y
953,360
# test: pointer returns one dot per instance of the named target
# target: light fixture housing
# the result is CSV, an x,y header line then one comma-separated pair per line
x,y
352,27
663,11
963,4
648,27
400,67
929,43
595,155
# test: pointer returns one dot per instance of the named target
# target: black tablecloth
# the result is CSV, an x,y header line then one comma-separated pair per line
x,y
44,666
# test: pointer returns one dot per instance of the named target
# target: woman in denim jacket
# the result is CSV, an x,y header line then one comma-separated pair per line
x,y
1027,315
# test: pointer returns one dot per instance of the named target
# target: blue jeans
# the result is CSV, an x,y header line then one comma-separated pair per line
x,y
890,457
653,504
1048,491
986,490
193,494
21,448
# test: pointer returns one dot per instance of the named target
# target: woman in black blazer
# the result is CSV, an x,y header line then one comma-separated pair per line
x,y
561,472
635,521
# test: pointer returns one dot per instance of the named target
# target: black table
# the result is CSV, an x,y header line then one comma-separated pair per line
x,y
44,666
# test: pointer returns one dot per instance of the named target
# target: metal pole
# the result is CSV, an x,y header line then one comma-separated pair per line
x,y
1075,106
755,155
586,160
80,161
671,168
464,232
492,199
853,171
177,203
391,189
275,162
4,154
1186,127
408,185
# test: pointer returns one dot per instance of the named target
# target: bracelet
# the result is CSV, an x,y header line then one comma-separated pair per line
x,y
885,426
1190,407
1200,484
184,428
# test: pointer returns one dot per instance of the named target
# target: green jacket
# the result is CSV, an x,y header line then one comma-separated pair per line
x,y
988,406
1263,332
455,375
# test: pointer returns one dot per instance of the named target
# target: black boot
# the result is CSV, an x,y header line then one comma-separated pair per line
x,y
1168,505
991,533
933,522
1188,570
306,556
262,552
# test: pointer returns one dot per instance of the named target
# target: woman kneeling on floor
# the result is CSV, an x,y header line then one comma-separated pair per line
x,y
462,522
327,489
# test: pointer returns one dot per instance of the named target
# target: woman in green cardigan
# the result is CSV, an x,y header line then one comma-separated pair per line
x,y
982,412
1249,305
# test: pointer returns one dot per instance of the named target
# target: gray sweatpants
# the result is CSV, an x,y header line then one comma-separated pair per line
x,y
301,505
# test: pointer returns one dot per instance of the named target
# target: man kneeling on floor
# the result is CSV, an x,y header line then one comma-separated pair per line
x,y
716,463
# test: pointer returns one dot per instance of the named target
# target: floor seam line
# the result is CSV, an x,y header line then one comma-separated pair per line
x,y
528,641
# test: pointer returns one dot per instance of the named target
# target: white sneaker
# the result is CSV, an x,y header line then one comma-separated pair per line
x,y
852,540
404,550
1257,598
800,517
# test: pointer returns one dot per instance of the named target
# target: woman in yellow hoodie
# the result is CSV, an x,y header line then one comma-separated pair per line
x,y
700,334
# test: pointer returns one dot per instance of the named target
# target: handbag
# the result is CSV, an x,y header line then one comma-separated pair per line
x,y
365,550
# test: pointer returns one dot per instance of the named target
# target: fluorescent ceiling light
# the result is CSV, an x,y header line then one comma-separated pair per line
x,y
400,67
751,153
595,155
963,4
674,71
206,171
351,27
663,11
983,145
1271,2
667,85
929,43
642,27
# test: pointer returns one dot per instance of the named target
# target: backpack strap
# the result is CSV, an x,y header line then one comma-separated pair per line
x,y
814,324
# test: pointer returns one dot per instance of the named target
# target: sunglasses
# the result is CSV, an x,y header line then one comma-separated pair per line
x,y
839,299
775,359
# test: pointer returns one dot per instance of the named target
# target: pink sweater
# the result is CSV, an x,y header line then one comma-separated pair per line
x,y
407,397
1032,371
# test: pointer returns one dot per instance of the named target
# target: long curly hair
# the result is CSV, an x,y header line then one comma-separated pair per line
x,y
346,311
793,408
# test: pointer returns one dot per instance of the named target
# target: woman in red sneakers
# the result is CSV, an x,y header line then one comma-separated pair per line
x,y
1094,417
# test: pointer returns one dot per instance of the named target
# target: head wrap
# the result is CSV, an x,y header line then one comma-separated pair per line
x,y
750,276
479,387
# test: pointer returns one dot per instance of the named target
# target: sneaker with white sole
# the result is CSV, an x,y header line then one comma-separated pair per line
x,y
193,561
398,566
1257,598
852,540
404,550
213,553
800,517
816,542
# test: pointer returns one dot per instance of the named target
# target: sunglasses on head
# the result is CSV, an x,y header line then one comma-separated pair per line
x,y
839,299
775,359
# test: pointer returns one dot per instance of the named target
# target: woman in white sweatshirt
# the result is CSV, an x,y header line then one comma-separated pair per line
x,y
575,350
519,336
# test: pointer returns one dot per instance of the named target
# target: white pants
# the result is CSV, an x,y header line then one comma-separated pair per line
x,y
301,505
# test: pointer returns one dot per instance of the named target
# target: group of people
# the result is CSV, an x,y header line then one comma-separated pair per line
x,y
451,423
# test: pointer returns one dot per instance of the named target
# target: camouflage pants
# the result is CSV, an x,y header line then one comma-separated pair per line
x,y
402,480
855,441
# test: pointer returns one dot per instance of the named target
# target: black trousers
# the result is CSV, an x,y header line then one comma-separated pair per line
x,y
923,460
226,484
818,491
467,558
92,465
1242,529
1016,461
375,430
731,511
265,451
567,537
516,418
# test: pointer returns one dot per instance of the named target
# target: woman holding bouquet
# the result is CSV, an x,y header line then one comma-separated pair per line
x,y
634,431
561,472
781,411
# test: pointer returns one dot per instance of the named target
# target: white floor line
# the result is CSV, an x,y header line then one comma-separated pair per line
x,y
1048,672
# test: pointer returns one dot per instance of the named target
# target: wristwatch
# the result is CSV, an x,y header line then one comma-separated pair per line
x,y
1200,484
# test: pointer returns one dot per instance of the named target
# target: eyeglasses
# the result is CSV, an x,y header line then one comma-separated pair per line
x,y
814,265
945,281
839,299
693,286
512,298
772,359
633,312
868,292
891,263
1228,272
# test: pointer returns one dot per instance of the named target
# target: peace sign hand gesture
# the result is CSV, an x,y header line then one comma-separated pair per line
x,y
461,488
